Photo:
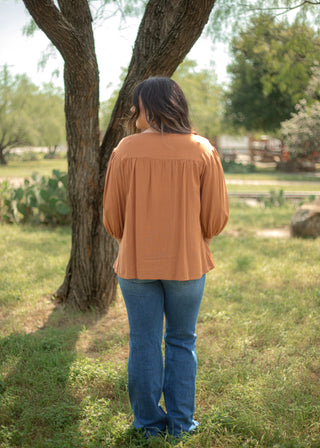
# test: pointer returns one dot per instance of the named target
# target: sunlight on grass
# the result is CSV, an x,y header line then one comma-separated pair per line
x,y
269,173
63,377
32,266
44,167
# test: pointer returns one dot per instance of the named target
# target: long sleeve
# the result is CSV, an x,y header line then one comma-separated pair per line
x,y
214,198
114,199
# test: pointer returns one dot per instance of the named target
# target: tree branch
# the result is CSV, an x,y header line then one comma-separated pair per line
x,y
284,8
59,28
77,12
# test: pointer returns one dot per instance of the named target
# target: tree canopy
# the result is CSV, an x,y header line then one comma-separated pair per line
x,y
51,120
271,68
204,97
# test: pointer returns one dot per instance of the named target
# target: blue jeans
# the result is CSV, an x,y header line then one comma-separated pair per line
x,y
147,302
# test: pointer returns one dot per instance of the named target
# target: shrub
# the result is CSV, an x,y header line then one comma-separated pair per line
x,y
275,199
5,195
301,133
235,167
40,200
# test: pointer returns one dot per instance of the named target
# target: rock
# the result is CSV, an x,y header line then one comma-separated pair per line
x,y
306,221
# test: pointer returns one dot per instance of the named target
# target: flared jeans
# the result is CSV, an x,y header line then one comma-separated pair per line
x,y
147,303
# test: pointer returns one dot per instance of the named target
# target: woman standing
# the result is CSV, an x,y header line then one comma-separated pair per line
x,y
165,198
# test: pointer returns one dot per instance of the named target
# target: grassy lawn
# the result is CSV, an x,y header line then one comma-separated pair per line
x,y
267,179
267,187
267,173
63,374
24,169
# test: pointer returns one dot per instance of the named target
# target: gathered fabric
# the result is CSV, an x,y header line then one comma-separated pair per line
x,y
164,198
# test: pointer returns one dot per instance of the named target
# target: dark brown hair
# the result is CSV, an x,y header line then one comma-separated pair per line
x,y
165,106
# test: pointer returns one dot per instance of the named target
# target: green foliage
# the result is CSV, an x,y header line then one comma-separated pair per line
x,y
228,17
28,115
16,107
237,167
301,133
39,200
49,117
106,107
271,70
204,97
275,199
5,196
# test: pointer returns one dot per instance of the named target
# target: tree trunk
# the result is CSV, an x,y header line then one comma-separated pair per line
x,y
89,280
167,32
2,159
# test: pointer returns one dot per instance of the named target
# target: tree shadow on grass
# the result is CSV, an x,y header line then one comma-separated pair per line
x,y
63,380
39,405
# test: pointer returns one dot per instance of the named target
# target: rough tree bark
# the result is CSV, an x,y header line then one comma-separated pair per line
x,y
167,32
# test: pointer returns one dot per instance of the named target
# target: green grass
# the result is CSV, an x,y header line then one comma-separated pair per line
x,y
246,221
268,179
270,173
18,168
63,379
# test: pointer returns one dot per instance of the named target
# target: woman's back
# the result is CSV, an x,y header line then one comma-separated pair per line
x,y
165,194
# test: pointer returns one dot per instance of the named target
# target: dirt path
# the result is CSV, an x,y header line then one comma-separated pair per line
x,y
274,233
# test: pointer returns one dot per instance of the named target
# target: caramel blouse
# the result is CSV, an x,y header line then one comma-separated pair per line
x,y
164,196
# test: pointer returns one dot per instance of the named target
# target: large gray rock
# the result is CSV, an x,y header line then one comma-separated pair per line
x,y
306,221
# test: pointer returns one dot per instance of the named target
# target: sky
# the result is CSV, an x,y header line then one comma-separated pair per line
x,y
113,48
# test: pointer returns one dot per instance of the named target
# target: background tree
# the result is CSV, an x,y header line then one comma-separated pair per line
x,y
272,66
228,17
204,97
50,118
29,115
167,32
301,133
106,108
16,118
